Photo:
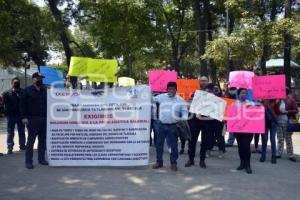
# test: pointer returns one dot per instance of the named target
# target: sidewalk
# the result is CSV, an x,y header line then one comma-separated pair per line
x,y
220,181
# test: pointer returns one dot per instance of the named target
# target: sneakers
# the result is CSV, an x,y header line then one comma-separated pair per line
x,y
174,168
157,166
189,163
202,164
29,166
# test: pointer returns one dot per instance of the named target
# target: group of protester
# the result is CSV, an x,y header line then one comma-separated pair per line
x,y
28,108
165,118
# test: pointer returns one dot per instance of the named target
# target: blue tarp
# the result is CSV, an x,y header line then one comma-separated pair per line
x,y
53,76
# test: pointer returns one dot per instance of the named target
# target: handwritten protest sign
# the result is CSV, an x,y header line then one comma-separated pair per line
x,y
269,87
207,104
102,70
228,104
126,81
158,79
97,70
186,87
241,79
78,66
246,119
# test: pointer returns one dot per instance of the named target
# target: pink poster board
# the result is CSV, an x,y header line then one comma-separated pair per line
x,y
246,119
158,79
241,79
269,87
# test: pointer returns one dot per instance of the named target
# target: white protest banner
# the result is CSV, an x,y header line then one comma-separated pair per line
x,y
209,105
99,127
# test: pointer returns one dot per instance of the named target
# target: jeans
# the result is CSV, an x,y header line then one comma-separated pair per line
x,y
272,128
11,122
166,131
36,127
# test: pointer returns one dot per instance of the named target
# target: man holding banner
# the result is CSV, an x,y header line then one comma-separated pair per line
x,y
172,109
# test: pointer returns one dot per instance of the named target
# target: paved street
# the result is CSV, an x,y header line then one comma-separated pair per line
x,y
219,181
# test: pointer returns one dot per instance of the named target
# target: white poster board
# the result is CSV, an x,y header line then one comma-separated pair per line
x,y
98,127
208,104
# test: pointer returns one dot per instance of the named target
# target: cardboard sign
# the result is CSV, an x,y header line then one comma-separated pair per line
x,y
96,70
269,87
158,79
208,104
246,119
186,87
241,79
126,81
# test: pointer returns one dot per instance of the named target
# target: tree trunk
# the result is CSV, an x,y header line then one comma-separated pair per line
x,y
63,35
201,25
127,54
287,44
212,66
230,28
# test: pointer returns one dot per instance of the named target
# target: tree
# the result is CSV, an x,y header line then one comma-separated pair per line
x,y
22,30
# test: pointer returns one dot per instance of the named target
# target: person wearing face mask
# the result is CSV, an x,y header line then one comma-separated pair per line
x,y
33,107
11,100
172,108
243,139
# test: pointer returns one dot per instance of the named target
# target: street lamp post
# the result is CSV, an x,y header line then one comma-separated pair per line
x,y
26,59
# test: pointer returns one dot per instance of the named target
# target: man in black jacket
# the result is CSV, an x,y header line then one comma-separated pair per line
x,y
33,107
11,100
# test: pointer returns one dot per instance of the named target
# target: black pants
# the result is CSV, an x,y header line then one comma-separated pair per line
x,y
244,142
218,135
182,142
195,126
36,127
256,140
207,137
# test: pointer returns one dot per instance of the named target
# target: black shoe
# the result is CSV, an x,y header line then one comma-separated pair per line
x,y
273,161
262,159
29,166
23,148
254,151
278,157
229,145
174,168
181,151
292,159
241,167
1,154
189,163
248,170
43,162
202,164
10,151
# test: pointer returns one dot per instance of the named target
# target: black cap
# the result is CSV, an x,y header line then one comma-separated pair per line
x,y
38,75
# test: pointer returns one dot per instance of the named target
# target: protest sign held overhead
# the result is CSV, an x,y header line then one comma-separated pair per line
x,y
269,87
186,87
158,79
241,79
208,104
